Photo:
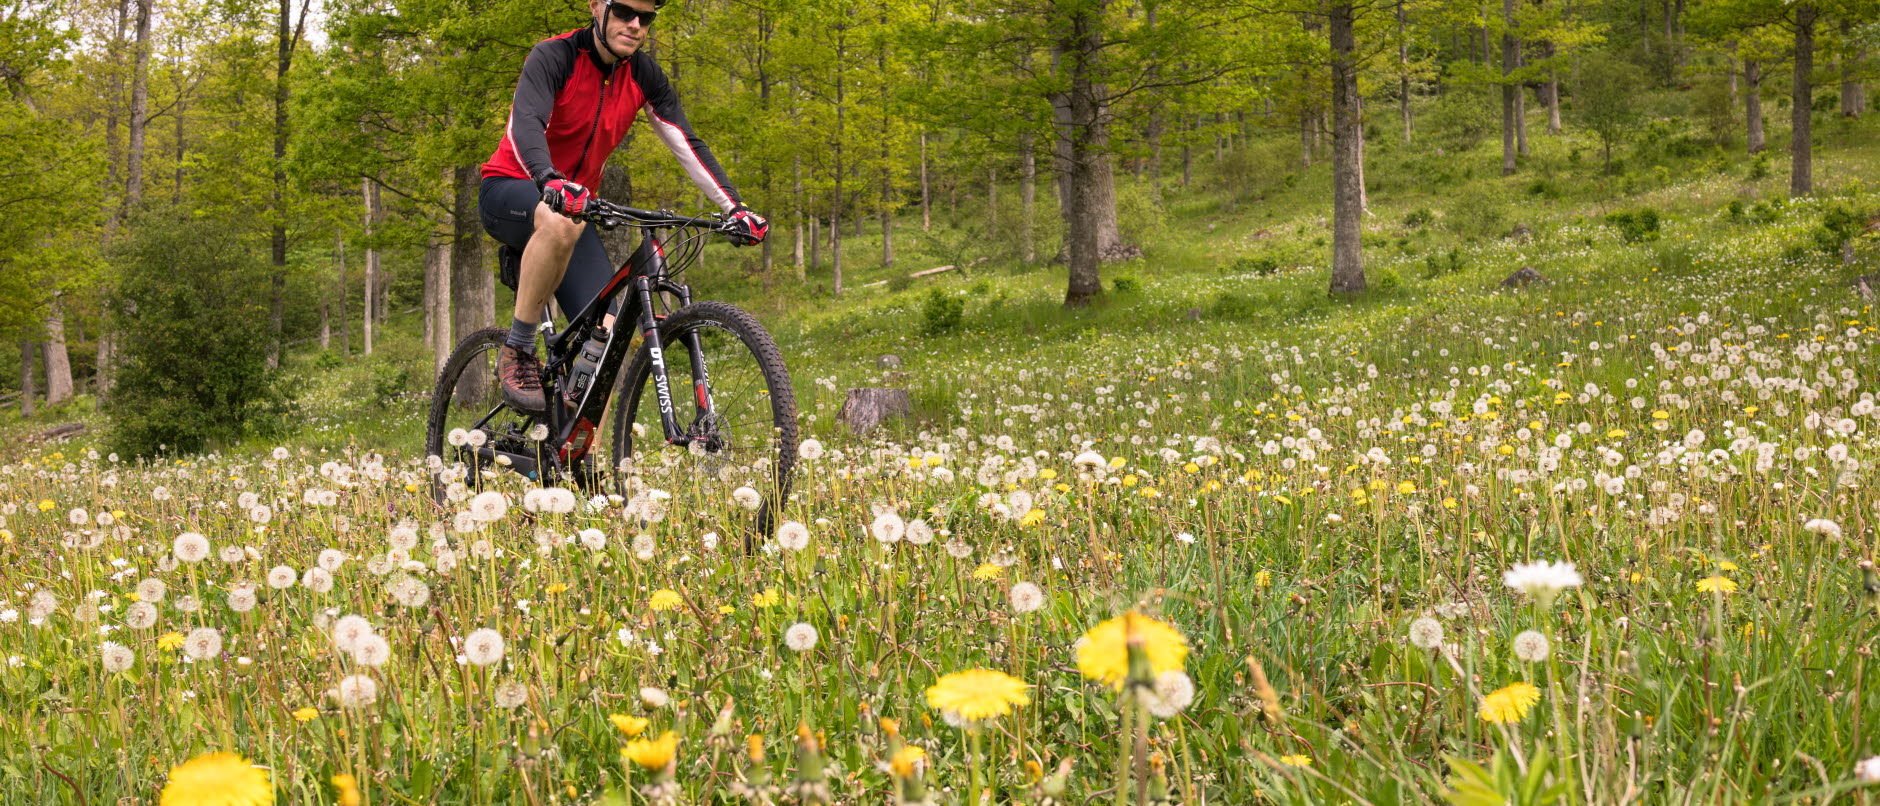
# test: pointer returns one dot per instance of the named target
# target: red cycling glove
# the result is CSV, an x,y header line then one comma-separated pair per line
x,y
566,197
748,227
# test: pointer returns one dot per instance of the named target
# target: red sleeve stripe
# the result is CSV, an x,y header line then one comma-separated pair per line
x,y
675,139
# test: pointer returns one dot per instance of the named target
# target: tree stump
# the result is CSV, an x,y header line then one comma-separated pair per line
x,y
866,408
1523,278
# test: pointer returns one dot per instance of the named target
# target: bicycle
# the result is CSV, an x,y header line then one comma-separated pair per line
x,y
741,428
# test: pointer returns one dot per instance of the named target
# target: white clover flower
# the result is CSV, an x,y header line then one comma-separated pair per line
x,y
1426,633
483,647
1542,580
793,536
800,637
1026,597
1531,646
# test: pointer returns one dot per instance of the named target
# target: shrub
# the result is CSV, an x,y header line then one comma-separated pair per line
x,y
943,313
1675,258
195,335
1435,266
1635,226
1759,167
1229,305
1264,265
1839,226
1125,284
1389,280
1418,218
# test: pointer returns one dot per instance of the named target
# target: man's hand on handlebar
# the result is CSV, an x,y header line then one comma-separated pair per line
x,y
746,227
567,198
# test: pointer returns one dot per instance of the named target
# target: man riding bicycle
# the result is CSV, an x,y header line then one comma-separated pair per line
x,y
577,95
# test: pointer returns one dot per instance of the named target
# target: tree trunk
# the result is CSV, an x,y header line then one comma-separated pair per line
x,y
1853,95
1347,155
1027,195
140,109
473,286
1364,196
815,243
286,37
107,361
1752,103
58,362
369,191
835,211
992,203
437,281
1403,72
1552,89
1305,138
1089,158
1510,94
345,321
1188,164
1801,170
926,200
28,389
326,327
796,200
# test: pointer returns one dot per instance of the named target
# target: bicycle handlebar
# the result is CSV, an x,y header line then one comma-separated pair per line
x,y
607,215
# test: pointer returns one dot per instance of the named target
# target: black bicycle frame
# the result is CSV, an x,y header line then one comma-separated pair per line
x,y
574,421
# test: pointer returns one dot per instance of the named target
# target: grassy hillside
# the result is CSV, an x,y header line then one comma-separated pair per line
x,y
1321,513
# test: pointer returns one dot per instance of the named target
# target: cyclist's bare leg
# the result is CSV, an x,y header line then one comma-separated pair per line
x,y
544,261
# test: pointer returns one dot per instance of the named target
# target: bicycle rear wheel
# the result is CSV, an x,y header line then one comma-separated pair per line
x,y
469,425
747,440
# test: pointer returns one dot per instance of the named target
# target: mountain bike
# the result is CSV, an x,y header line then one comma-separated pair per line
x,y
736,428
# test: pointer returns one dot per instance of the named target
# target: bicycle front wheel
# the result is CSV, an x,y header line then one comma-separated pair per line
x,y
746,438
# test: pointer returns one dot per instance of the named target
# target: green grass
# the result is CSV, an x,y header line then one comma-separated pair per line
x,y
1290,481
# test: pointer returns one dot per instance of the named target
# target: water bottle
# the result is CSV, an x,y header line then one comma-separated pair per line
x,y
586,363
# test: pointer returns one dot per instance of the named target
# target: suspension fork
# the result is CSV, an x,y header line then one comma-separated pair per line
x,y
662,386
701,380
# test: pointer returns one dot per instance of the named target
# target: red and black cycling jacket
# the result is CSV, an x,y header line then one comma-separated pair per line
x,y
571,109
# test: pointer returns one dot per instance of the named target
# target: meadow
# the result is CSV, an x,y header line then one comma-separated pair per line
x,y
1218,539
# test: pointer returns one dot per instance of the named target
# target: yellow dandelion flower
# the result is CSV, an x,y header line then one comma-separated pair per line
x,y
1726,565
1296,760
768,598
1661,414
1116,463
654,754
1047,474
905,763
348,787
664,599
1451,503
218,779
987,571
1061,487
1104,655
1151,492
1405,488
1509,703
977,694
1129,480
558,587
306,714
1284,501
1032,518
935,460
1616,433
46,505
1191,467
1716,584
633,726
726,610
170,641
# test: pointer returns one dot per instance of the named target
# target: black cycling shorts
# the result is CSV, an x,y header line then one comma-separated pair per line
x,y
508,209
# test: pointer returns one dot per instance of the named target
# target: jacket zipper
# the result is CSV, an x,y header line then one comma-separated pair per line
x,y
592,130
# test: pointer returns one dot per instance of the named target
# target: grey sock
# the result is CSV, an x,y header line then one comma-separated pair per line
x,y
521,335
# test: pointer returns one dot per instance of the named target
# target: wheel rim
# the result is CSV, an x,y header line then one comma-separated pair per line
x,y
737,445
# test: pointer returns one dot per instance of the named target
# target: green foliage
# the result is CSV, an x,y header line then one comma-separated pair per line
x,y
1125,284
1504,783
942,313
1388,279
1716,111
1229,305
1263,265
195,335
1758,167
1840,224
1449,262
1419,218
1635,226
1464,115
1607,97
1673,258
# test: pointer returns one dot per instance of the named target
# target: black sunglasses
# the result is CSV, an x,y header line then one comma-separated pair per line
x,y
626,13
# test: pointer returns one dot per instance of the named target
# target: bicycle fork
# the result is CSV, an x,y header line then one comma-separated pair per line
x,y
662,384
